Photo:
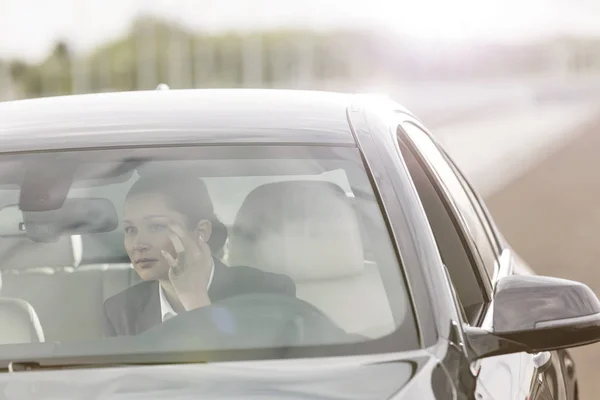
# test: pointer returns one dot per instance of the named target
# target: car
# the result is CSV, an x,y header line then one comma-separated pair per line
x,y
366,264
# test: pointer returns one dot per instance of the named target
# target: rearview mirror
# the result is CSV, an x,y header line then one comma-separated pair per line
x,y
76,216
536,313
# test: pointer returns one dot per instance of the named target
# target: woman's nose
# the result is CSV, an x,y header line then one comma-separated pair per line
x,y
140,245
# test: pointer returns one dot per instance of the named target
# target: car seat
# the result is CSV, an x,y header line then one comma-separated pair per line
x,y
308,230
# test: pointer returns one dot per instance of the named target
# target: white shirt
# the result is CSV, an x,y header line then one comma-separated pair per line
x,y
166,310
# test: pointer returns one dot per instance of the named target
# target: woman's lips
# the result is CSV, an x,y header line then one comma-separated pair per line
x,y
145,262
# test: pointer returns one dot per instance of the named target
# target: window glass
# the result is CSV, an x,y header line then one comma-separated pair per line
x,y
477,202
227,247
471,223
450,241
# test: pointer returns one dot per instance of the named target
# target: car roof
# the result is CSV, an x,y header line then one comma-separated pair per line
x,y
168,117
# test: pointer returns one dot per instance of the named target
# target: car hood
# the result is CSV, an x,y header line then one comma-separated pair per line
x,y
370,377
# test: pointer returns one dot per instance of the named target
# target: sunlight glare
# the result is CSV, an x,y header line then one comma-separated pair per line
x,y
461,21
443,20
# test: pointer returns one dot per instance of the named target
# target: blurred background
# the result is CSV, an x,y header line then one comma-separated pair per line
x,y
510,87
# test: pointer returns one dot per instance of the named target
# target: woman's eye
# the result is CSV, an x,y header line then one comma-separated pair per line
x,y
129,230
157,227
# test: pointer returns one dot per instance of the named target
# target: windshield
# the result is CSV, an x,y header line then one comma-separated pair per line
x,y
202,248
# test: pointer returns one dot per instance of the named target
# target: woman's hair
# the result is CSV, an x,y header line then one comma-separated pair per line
x,y
188,196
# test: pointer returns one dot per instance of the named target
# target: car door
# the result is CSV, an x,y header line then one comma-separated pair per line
x,y
473,256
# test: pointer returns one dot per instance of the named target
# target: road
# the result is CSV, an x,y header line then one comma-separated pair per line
x,y
539,172
493,150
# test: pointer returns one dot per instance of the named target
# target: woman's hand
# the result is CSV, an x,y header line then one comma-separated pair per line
x,y
190,271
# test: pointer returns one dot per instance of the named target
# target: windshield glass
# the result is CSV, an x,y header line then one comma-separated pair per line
x,y
205,248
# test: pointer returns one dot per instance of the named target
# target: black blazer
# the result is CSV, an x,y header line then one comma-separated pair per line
x,y
137,308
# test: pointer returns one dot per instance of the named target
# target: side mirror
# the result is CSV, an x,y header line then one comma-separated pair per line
x,y
536,313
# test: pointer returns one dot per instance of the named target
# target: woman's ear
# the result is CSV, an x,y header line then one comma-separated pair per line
x,y
204,230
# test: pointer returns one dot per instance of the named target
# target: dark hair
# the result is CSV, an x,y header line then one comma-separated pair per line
x,y
188,196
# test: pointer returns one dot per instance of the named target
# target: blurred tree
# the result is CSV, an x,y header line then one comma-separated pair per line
x,y
61,51
181,58
18,69
158,51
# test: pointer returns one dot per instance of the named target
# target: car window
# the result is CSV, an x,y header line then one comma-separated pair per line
x,y
139,227
474,228
450,239
478,205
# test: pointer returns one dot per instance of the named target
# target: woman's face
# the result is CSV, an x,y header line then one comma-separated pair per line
x,y
146,220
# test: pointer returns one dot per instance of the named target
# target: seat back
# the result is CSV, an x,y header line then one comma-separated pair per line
x,y
20,323
308,230
68,303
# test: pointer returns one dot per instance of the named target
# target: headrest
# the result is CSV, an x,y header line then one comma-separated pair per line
x,y
20,323
22,253
104,248
304,229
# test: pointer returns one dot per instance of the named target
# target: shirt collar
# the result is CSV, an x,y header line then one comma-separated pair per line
x,y
166,310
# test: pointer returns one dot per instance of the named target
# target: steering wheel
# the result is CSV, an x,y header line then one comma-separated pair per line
x,y
252,320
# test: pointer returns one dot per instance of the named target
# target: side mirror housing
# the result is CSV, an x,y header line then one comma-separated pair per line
x,y
536,313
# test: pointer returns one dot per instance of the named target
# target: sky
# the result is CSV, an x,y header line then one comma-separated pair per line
x,y
29,28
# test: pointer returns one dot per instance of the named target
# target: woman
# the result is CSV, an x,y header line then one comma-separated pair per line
x,y
171,235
